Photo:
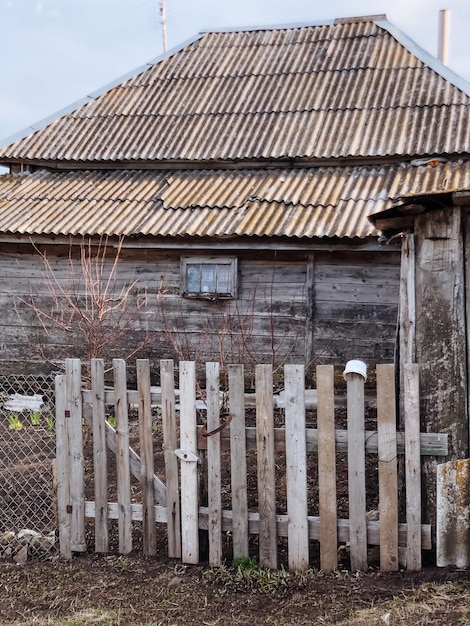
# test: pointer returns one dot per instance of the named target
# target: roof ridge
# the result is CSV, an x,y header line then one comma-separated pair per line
x,y
426,57
360,18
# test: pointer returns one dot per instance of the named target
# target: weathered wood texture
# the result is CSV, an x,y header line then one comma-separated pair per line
x,y
100,456
387,458
356,305
269,517
441,337
297,307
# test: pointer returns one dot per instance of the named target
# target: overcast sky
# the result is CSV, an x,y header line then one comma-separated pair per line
x,y
55,52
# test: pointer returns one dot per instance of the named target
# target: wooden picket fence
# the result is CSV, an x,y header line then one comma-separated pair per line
x,y
175,501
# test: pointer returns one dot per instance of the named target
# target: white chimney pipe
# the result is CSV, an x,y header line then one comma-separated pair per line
x,y
443,40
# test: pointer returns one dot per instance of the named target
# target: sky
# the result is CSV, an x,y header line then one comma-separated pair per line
x,y
55,52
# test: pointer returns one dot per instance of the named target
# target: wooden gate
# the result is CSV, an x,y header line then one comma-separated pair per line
x,y
292,445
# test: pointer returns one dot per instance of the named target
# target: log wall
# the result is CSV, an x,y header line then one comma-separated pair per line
x,y
291,307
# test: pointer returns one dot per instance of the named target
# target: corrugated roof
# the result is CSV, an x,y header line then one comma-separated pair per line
x,y
348,89
312,203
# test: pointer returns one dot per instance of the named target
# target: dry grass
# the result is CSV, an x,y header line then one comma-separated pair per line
x,y
446,604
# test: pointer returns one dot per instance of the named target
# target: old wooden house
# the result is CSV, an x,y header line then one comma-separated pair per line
x,y
235,176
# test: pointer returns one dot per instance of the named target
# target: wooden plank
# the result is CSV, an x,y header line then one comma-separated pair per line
x,y
281,521
238,460
214,483
296,468
356,472
100,457
265,459
63,469
170,443
159,489
327,468
442,301
431,444
387,460
412,466
73,383
146,456
122,457
310,309
189,477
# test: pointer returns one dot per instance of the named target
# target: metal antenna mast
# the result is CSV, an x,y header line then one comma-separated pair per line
x,y
163,20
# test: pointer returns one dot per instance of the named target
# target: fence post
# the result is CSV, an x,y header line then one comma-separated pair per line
x,y
63,470
296,467
73,384
266,474
412,466
355,374
213,464
327,468
122,457
189,486
387,458
146,457
100,457
170,443
236,385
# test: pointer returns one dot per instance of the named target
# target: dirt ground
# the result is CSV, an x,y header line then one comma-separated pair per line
x,y
112,590
119,590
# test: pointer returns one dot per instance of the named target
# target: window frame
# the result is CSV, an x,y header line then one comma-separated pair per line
x,y
231,262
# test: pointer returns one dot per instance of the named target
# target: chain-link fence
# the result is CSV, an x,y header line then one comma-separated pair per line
x,y
28,524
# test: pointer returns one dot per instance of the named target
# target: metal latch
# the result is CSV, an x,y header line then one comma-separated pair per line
x,y
187,455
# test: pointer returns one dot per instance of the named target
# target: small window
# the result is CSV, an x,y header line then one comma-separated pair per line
x,y
208,277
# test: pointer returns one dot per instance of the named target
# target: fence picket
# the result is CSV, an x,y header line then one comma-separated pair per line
x,y
122,457
100,457
327,468
189,479
238,460
181,511
356,472
146,456
387,462
170,443
213,464
266,475
296,467
73,383
63,469
412,466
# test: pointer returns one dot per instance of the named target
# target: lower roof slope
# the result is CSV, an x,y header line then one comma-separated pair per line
x,y
301,203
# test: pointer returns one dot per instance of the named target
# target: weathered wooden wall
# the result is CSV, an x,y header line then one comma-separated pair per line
x,y
291,307
355,306
441,335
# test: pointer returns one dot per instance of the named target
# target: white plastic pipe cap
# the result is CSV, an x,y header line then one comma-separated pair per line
x,y
355,367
